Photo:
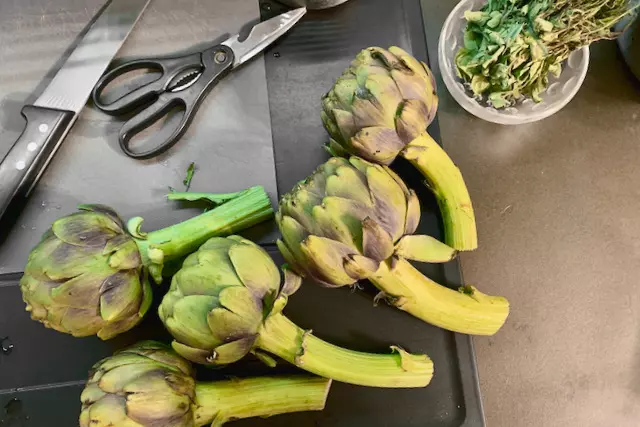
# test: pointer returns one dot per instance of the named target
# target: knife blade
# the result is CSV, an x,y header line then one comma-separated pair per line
x,y
52,114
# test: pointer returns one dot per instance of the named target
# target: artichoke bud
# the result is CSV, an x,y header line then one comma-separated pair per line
x,y
221,297
86,276
358,211
144,385
382,102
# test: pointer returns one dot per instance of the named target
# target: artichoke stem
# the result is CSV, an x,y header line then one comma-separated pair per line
x,y
467,311
248,209
222,401
283,338
446,181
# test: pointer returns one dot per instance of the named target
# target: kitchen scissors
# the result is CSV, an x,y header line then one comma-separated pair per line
x,y
184,82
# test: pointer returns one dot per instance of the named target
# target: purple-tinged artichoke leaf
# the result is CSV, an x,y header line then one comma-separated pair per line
x,y
292,282
409,62
390,202
104,209
194,354
413,213
80,322
67,261
376,242
360,267
328,257
389,60
378,144
345,123
86,229
120,296
413,120
386,95
367,112
150,401
82,291
111,408
115,379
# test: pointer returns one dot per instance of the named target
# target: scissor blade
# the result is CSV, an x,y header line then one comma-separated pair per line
x,y
262,35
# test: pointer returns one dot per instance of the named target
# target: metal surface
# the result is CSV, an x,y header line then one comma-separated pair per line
x,y
71,86
557,207
45,369
229,140
262,35
313,4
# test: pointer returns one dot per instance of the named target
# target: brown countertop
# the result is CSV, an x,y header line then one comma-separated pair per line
x,y
557,204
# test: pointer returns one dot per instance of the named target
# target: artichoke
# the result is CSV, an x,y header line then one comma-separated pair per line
x,y
379,109
149,385
226,302
89,274
353,220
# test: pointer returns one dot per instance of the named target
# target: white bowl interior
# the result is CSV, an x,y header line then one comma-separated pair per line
x,y
558,94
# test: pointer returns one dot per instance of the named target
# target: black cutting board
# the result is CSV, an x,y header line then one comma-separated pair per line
x,y
45,369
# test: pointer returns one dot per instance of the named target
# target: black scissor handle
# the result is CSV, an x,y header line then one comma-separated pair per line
x,y
168,67
218,61
145,119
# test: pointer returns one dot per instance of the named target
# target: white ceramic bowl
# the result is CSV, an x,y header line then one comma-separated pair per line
x,y
560,91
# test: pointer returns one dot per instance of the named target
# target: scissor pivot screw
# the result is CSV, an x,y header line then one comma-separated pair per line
x,y
220,57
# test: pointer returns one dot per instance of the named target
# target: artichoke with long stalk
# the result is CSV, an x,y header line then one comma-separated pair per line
x,y
352,220
149,385
379,109
227,301
89,275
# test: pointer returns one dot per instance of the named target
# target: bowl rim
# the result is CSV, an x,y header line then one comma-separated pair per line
x,y
493,115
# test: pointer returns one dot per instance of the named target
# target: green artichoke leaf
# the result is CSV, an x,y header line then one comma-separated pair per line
x,y
189,325
255,268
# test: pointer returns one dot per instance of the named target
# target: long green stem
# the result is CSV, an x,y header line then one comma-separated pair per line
x,y
467,311
251,207
446,181
222,401
400,369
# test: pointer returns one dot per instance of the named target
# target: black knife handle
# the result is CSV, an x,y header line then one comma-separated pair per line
x,y
45,129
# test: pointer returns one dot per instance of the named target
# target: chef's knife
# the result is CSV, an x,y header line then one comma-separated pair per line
x,y
51,116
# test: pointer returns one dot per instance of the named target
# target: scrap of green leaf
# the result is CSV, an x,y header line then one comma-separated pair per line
x,y
511,46
190,171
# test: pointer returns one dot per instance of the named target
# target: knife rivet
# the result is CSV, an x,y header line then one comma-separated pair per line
x,y
32,146
220,57
20,165
43,128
